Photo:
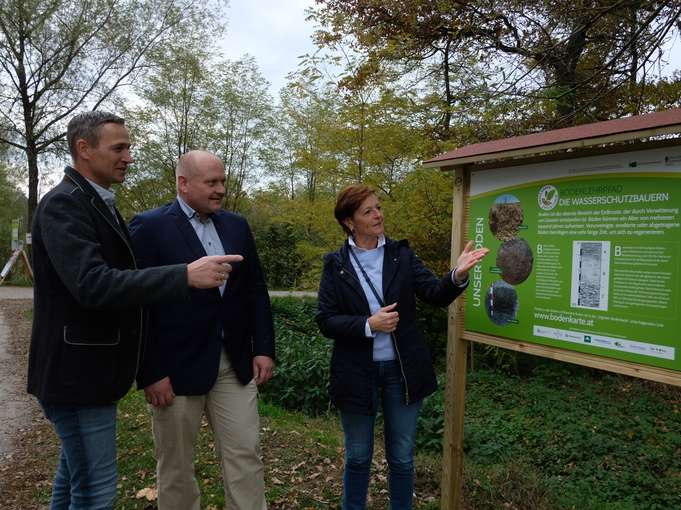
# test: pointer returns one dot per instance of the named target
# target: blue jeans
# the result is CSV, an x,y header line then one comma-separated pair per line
x,y
86,472
399,430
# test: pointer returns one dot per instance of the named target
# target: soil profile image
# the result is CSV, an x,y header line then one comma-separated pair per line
x,y
505,216
501,303
590,274
514,258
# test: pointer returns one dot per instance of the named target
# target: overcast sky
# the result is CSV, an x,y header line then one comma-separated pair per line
x,y
273,31
276,34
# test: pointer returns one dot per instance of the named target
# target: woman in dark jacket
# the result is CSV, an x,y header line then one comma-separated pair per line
x,y
367,305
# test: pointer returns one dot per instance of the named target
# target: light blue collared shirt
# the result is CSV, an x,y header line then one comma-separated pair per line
x,y
372,261
107,195
205,231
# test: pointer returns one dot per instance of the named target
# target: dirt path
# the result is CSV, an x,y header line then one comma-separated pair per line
x,y
8,292
26,439
16,407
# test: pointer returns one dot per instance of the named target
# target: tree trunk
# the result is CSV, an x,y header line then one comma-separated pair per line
x,y
449,98
32,157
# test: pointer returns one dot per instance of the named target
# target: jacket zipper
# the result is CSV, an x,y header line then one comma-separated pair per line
x,y
394,341
404,377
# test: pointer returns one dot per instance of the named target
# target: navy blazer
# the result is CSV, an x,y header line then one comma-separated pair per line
x,y
183,341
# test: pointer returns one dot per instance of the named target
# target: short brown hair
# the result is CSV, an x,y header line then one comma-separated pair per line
x,y
348,201
86,126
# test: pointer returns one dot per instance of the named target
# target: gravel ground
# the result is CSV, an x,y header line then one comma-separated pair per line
x,y
8,292
26,439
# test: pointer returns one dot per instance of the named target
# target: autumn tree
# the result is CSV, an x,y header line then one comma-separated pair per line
x,y
574,57
240,119
166,121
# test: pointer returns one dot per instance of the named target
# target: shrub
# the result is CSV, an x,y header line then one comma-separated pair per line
x,y
303,357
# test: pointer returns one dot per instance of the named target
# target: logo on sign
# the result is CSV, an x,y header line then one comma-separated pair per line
x,y
548,197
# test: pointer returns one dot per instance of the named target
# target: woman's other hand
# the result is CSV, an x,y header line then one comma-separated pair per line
x,y
468,258
385,319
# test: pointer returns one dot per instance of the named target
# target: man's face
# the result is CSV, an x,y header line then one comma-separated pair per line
x,y
109,160
204,188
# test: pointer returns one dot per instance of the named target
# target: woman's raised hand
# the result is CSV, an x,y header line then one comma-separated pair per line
x,y
468,258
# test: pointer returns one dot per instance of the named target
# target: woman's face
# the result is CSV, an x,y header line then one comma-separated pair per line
x,y
367,220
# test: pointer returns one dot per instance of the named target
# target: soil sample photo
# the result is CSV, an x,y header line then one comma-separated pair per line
x,y
515,258
501,303
505,217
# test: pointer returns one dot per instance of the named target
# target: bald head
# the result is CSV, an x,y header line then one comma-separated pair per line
x,y
193,160
200,179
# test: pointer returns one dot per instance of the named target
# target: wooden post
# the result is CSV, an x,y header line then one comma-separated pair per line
x,y
454,398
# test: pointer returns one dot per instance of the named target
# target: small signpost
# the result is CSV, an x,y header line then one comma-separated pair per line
x,y
584,230
17,252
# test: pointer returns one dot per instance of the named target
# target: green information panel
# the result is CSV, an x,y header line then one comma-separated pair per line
x,y
585,255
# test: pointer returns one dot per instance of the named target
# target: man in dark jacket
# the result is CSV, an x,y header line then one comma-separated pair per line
x,y
86,339
207,355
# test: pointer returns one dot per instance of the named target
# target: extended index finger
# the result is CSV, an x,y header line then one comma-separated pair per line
x,y
228,258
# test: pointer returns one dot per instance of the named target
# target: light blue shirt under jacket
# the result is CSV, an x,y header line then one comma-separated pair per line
x,y
205,231
372,262
106,195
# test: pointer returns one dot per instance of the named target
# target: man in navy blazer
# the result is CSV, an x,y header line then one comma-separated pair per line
x,y
209,354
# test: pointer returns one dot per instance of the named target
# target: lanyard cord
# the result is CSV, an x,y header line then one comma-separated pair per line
x,y
366,277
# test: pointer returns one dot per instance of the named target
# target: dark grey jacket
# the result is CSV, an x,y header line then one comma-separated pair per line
x,y
343,311
87,327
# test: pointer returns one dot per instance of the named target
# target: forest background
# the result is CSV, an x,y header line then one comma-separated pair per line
x,y
390,84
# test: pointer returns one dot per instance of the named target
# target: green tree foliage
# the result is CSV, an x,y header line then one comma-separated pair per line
x,y
62,56
420,210
328,137
276,243
190,103
166,123
240,120
12,206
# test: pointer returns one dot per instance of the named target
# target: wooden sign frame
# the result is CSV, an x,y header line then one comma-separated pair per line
x,y
459,339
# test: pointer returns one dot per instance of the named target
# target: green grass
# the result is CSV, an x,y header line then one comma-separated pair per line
x,y
563,438
594,441
539,434
551,436
289,439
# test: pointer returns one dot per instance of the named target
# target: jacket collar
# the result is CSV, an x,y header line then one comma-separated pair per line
x,y
186,229
390,265
181,220
81,182
85,187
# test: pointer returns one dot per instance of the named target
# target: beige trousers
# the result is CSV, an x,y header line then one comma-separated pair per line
x,y
232,412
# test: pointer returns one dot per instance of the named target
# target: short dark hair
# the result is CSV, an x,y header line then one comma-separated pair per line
x,y
86,126
348,201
